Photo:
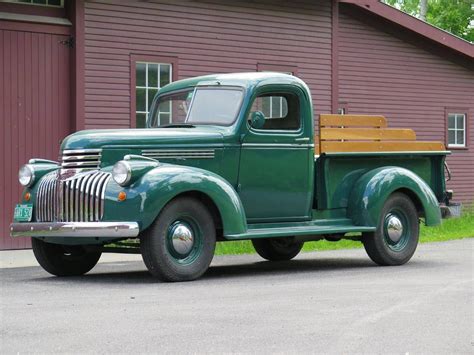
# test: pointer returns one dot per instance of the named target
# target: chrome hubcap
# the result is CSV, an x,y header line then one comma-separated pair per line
x,y
182,239
394,228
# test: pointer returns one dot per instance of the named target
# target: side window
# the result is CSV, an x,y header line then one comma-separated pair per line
x,y
50,3
150,77
457,130
281,111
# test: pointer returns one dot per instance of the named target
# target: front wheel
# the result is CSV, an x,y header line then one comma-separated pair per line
x,y
179,245
277,249
395,240
64,260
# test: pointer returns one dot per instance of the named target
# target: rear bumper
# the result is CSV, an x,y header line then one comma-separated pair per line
x,y
75,229
453,210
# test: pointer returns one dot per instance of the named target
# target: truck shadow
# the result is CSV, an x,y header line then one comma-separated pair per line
x,y
120,273
322,266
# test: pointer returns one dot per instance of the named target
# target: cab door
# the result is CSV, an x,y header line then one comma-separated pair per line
x,y
275,178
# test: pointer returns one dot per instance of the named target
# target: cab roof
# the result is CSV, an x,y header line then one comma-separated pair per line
x,y
251,80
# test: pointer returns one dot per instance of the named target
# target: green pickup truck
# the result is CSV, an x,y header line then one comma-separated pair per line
x,y
230,157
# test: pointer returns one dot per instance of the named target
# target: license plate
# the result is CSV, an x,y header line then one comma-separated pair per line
x,y
23,212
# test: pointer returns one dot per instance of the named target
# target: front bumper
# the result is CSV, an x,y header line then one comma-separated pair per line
x,y
75,229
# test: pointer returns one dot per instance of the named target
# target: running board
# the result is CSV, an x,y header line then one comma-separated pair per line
x,y
315,227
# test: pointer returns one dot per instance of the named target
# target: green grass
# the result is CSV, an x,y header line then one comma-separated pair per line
x,y
455,228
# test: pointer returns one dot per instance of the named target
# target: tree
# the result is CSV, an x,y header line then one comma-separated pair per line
x,y
455,16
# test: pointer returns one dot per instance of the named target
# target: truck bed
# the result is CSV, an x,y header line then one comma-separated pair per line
x,y
336,173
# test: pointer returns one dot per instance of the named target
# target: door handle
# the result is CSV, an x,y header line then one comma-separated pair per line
x,y
302,140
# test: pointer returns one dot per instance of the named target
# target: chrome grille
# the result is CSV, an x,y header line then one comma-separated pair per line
x,y
47,198
77,199
179,153
84,159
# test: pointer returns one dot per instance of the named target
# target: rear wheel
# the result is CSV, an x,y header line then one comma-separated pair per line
x,y
395,240
64,260
277,249
179,245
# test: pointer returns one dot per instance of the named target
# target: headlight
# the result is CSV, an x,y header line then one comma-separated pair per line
x,y
122,173
26,175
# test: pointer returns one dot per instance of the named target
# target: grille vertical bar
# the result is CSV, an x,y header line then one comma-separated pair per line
x,y
77,199
51,201
100,195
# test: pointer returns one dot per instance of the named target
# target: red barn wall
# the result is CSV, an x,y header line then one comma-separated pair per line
x,y
34,107
380,72
205,37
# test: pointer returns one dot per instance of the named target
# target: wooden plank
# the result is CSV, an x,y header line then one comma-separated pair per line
x,y
352,120
387,146
367,134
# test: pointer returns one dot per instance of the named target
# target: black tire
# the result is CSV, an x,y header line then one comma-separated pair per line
x,y
277,249
64,260
164,256
398,246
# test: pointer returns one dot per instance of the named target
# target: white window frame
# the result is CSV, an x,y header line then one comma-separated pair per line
x,y
61,5
280,106
456,130
281,100
147,104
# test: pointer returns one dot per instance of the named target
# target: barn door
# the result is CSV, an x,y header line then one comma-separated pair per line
x,y
34,110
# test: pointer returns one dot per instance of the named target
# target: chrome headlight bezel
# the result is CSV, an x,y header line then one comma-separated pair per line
x,y
122,173
26,175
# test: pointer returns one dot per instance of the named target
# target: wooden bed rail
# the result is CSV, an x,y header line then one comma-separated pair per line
x,y
364,133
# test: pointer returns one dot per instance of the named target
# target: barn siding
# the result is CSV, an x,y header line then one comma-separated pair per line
x,y
382,73
34,108
206,37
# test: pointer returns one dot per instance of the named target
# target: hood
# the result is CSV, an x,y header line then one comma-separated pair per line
x,y
147,137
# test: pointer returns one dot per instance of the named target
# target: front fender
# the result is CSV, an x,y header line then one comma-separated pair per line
x,y
373,188
150,193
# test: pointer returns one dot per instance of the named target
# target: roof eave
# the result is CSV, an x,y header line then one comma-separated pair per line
x,y
422,28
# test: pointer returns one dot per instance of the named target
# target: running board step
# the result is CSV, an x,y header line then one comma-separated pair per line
x,y
293,229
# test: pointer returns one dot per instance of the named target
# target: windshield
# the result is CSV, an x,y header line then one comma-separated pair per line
x,y
206,105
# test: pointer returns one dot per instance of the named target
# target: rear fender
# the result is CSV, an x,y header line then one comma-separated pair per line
x,y
373,188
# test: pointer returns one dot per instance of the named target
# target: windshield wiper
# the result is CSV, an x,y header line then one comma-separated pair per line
x,y
178,125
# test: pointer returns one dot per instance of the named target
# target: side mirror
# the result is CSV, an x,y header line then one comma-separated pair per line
x,y
257,119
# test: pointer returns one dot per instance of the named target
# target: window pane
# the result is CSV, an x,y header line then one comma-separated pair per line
x,y
54,2
460,137
151,95
451,135
451,121
165,75
284,108
265,104
141,75
460,121
149,76
164,118
215,106
141,100
165,106
153,75
178,103
141,120
39,2
276,106
285,111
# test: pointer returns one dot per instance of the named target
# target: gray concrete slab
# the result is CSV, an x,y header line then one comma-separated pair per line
x,y
25,258
328,302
